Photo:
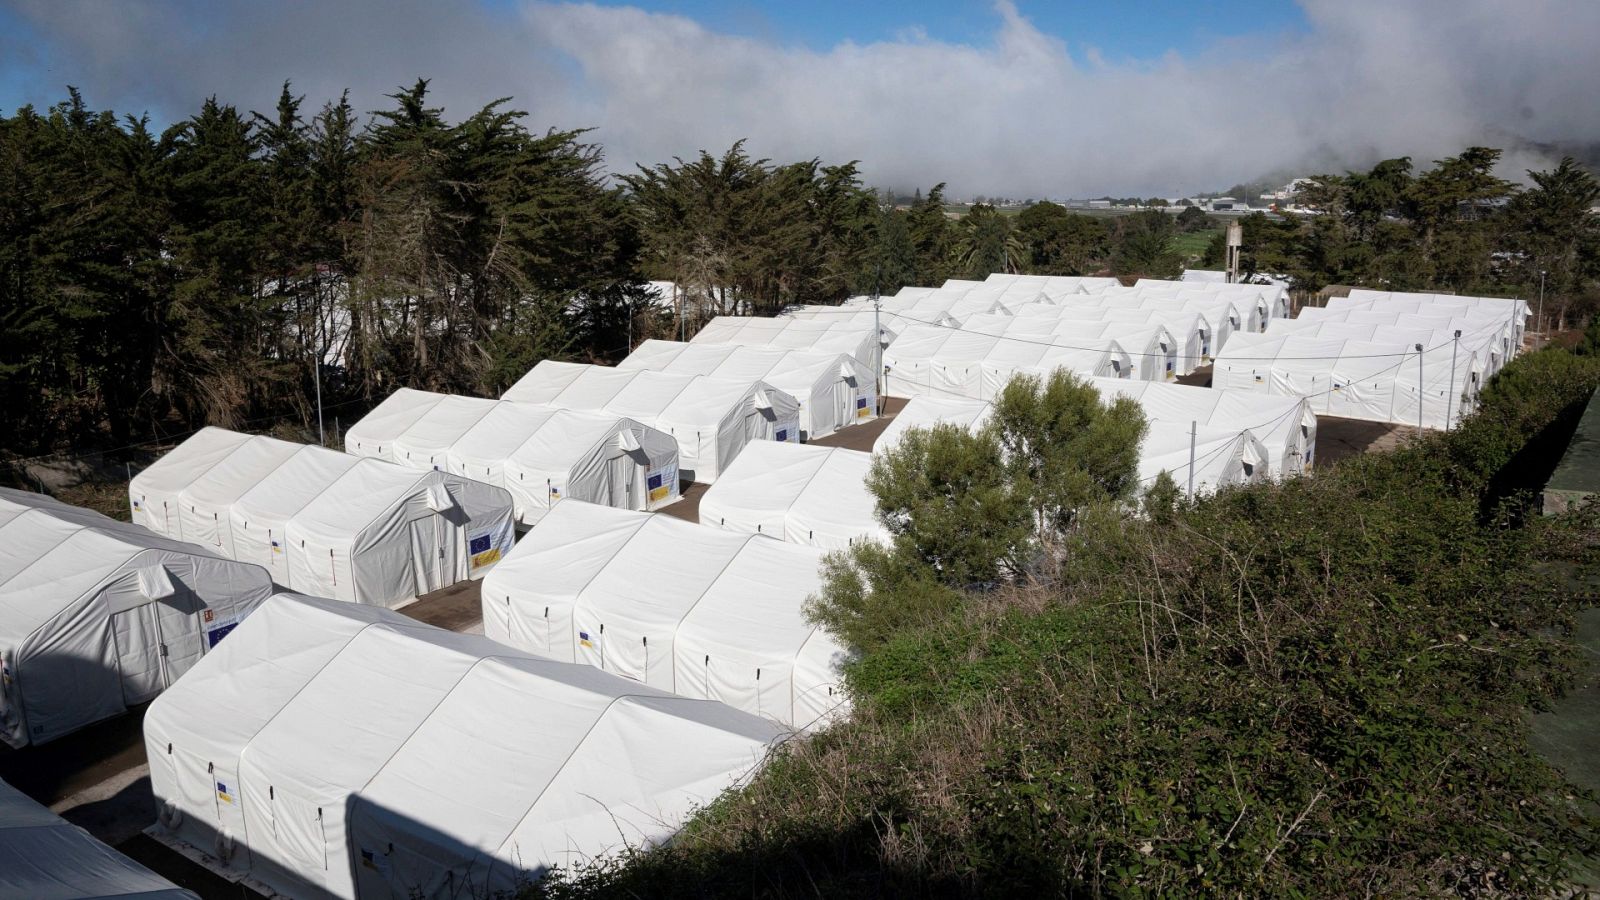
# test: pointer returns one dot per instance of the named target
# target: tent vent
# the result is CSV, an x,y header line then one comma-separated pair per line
x,y
627,440
155,583
438,497
762,400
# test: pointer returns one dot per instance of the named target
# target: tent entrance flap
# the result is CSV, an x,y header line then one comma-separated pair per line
x,y
623,478
431,554
138,645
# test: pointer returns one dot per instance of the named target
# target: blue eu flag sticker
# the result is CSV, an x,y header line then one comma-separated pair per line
x,y
655,481
479,544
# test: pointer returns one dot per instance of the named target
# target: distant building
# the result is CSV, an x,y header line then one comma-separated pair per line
x,y
1099,204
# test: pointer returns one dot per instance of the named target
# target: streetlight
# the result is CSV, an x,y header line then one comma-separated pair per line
x,y
1540,317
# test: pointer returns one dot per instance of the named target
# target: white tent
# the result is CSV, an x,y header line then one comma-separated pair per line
x,y
809,495
927,411
834,389
826,329
1513,311
374,435
327,523
45,857
1226,455
1285,426
543,455
950,362
1056,283
1273,298
712,419
97,616
682,607
1193,334
1218,457
333,750
1382,380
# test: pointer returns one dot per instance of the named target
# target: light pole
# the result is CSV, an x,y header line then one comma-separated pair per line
x,y
1419,388
1540,317
1449,398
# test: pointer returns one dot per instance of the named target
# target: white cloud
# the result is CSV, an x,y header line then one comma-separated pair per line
x,y
1017,112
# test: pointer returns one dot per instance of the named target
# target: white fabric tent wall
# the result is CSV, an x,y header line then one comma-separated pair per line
x,y
833,390
1384,380
204,503
1514,311
816,496
1193,333
830,329
1285,426
45,857
712,419
426,443
375,434
345,751
97,616
153,493
356,528
678,606
1222,457
543,455
927,411
930,360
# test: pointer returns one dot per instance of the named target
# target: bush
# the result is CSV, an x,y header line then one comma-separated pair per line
x,y
1309,688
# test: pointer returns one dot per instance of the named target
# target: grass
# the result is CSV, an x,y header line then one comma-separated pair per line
x,y
1193,244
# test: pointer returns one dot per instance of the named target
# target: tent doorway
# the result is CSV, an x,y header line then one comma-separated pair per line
x,y
434,554
138,640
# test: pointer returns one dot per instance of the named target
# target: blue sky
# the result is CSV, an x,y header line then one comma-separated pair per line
x,y
1000,97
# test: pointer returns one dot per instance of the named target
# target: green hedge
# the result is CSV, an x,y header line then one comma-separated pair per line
x,y
1302,689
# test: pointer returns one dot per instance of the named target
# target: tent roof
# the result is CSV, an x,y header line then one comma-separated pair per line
x,y
927,411
500,750
180,466
388,420
811,490
44,856
52,554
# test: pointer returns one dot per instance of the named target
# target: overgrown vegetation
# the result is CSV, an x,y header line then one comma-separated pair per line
x,y
1309,688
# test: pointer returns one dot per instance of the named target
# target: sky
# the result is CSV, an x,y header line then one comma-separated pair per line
x,y
1011,98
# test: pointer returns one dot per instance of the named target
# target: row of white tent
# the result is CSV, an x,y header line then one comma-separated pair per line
x,y
1092,326
45,857
332,524
711,418
540,454
702,612
332,749
1407,359
98,616
834,390
817,496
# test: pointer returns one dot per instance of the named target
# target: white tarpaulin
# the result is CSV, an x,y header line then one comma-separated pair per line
x,y
927,411
333,750
1223,455
1193,333
1285,426
45,857
356,528
829,329
712,419
949,362
1385,379
803,494
97,615
834,389
686,608
1220,457
375,434
544,455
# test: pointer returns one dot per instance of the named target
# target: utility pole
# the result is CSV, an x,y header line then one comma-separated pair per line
x,y
877,338
1419,388
1540,316
1194,426
1449,399
316,361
